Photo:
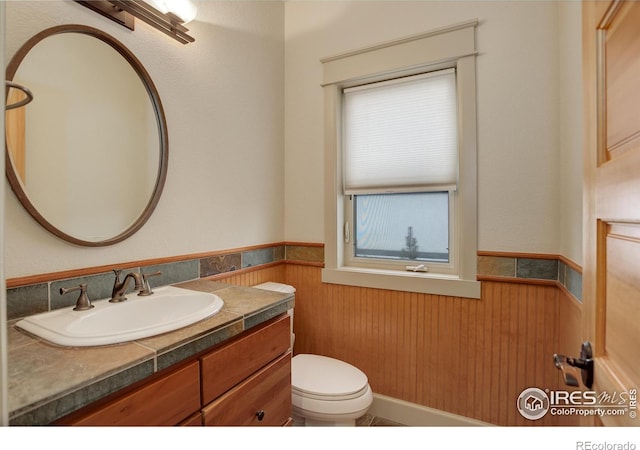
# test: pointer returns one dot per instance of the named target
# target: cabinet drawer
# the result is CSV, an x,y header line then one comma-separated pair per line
x,y
165,401
228,365
264,399
193,421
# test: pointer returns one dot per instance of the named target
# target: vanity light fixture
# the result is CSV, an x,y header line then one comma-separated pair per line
x,y
168,16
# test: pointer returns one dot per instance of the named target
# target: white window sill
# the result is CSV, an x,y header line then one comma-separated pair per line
x,y
426,283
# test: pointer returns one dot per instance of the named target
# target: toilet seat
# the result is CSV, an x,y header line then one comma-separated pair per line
x,y
358,394
309,378
346,395
329,410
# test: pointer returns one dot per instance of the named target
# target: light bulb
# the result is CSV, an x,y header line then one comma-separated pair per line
x,y
159,5
184,9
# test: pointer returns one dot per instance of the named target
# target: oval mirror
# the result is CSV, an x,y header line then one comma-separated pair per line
x,y
87,157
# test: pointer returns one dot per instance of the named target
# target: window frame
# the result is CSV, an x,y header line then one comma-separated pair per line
x,y
449,47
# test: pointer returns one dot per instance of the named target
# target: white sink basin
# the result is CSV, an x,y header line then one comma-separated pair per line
x,y
167,309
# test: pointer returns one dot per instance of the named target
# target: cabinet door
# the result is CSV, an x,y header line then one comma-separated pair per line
x,y
264,399
233,362
165,401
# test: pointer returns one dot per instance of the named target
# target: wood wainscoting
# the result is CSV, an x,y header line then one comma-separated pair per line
x,y
467,357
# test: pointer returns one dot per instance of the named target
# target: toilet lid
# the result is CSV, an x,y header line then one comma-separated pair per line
x,y
326,377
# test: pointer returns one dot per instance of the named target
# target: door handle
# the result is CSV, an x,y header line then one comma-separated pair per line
x,y
584,363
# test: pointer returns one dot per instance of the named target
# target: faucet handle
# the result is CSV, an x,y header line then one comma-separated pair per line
x,y
83,303
146,287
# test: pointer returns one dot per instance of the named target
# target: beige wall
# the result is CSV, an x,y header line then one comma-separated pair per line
x,y
526,64
223,99
229,95
571,128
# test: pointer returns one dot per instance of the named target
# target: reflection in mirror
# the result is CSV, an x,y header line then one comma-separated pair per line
x,y
19,95
87,157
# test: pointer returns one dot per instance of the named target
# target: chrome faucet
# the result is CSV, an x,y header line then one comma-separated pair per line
x,y
120,287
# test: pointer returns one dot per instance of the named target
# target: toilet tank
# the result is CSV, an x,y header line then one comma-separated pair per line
x,y
284,288
277,287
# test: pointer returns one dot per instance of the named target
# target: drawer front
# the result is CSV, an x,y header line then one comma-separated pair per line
x,y
228,365
262,400
166,401
194,421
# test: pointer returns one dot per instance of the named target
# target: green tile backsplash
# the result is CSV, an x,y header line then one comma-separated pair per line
x,y
541,269
258,257
497,266
215,265
526,268
32,299
26,300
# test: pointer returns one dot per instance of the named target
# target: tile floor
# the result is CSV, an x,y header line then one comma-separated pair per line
x,y
372,421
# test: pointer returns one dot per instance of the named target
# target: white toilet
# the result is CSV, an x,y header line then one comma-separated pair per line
x,y
325,391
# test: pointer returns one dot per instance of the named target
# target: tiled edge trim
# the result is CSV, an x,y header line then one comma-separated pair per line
x,y
185,351
538,269
31,299
66,404
40,297
264,315
571,279
303,253
229,262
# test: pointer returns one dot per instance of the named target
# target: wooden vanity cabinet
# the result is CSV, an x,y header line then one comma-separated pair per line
x,y
245,381
264,399
166,400
248,381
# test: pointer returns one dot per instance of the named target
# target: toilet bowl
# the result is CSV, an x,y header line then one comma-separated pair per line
x,y
328,392
324,391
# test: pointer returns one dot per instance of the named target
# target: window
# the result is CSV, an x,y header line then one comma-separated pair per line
x,y
400,227
400,171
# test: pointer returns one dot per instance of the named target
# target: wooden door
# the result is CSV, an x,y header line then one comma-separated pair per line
x,y
611,272
15,123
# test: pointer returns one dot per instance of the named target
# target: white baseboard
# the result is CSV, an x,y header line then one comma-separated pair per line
x,y
415,415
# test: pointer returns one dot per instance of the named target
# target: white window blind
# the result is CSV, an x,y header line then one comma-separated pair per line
x,y
401,135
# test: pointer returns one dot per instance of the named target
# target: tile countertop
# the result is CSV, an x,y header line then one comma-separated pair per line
x,y
47,382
